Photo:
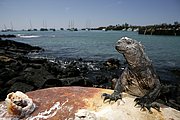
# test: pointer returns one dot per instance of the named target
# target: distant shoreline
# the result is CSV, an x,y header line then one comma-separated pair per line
x,y
159,29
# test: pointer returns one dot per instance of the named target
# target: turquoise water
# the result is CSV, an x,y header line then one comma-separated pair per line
x,y
164,51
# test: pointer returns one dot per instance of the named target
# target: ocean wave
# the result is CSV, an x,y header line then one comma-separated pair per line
x,y
27,36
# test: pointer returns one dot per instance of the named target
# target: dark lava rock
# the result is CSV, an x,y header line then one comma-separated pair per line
x,y
37,77
176,71
7,36
10,82
13,64
76,81
26,59
19,86
54,68
13,47
52,83
7,73
71,71
112,63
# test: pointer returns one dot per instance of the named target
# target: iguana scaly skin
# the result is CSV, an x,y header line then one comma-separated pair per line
x,y
138,78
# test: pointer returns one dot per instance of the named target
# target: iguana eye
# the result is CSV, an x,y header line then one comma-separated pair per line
x,y
128,42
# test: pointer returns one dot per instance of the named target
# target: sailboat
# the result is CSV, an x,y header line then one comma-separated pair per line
x,y
44,27
71,26
88,25
7,30
31,28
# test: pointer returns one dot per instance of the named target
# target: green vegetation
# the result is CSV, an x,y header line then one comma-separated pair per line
x,y
160,29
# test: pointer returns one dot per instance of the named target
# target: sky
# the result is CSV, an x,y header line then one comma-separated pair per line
x,y
22,14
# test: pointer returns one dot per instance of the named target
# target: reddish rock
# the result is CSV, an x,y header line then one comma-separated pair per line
x,y
74,98
82,103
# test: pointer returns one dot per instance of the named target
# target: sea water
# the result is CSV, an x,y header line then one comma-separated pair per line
x,y
164,51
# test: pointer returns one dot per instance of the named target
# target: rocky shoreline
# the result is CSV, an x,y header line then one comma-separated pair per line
x,y
153,31
21,72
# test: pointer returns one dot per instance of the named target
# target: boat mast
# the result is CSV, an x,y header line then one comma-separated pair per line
x,y
30,24
5,28
11,26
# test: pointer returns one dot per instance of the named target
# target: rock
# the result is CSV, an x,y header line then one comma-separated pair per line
x,y
37,77
14,80
76,81
71,71
54,68
19,105
7,36
85,114
7,74
83,103
112,63
15,48
1,84
5,59
19,86
32,60
52,83
178,94
176,71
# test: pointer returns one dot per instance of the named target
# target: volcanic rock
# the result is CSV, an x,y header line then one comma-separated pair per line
x,y
80,103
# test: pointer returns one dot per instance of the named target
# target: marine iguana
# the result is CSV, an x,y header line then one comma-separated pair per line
x,y
138,78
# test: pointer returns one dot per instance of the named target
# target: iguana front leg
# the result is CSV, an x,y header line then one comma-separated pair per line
x,y
119,88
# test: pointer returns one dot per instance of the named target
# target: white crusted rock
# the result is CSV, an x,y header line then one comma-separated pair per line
x,y
84,114
19,104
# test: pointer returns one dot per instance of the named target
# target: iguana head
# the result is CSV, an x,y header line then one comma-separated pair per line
x,y
132,50
128,45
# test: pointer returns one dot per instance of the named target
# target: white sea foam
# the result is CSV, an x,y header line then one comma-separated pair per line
x,y
30,36
27,36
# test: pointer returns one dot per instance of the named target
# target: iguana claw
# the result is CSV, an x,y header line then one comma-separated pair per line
x,y
113,97
145,103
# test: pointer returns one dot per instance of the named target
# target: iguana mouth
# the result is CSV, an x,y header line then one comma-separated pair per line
x,y
119,50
